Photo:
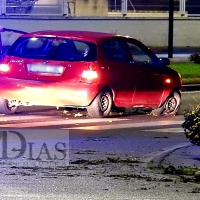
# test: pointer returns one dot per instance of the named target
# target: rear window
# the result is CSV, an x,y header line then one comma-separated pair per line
x,y
54,49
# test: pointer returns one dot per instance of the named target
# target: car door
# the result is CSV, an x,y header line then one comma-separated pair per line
x,y
150,76
116,69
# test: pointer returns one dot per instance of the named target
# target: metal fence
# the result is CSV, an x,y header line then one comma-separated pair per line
x,y
34,7
192,7
142,5
187,8
90,8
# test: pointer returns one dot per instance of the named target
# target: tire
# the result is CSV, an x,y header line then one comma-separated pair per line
x,y
101,105
8,107
171,105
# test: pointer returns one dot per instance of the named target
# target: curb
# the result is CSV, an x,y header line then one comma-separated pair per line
x,y
156,158
191,87
179,60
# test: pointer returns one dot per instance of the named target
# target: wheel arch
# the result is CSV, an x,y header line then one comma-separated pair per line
x,y
110,89
169,93
176,89
165,106
102,103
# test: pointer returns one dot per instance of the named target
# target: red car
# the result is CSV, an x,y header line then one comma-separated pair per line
x,y
97,71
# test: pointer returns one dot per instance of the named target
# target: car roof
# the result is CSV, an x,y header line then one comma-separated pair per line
x,y
86,35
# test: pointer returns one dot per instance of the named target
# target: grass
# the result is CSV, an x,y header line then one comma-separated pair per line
x,y
189,71
190,171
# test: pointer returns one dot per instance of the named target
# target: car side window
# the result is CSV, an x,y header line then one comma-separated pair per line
x,y
138,54
113,50
31,47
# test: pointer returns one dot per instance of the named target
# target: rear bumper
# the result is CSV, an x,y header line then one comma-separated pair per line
x,y
48,93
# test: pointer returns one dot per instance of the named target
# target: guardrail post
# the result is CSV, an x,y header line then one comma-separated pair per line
x,y
182,7
3,7
124,7
65,7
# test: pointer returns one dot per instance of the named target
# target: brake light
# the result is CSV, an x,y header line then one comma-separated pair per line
x,y
89,76
4,68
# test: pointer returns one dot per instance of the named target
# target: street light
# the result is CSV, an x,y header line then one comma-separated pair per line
x,y
171,27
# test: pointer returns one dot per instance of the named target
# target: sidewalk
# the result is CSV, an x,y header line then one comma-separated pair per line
x,y
180,155
180,54
179,163
186,157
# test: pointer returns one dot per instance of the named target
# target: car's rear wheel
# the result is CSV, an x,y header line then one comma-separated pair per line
x,y
8,106
101,105
170,106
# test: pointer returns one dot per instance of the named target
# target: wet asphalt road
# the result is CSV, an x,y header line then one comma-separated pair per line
x,y
69,155
104,158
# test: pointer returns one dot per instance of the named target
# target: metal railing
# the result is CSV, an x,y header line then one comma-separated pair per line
x,y
112,7
192,7
142,5
35,7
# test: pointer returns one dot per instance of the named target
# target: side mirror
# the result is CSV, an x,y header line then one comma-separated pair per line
x,y
164,61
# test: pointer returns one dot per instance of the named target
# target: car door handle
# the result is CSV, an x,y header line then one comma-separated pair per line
x,y
114,70
46,61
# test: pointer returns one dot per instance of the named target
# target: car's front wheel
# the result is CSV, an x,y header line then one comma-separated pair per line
x,y
8,106
101,105
170,106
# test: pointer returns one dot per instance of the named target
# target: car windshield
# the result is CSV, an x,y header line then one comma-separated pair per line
x,y
54,49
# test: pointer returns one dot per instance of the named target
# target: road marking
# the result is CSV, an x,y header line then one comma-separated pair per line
x,y
82,123
166,130
128,125
63,122
22,117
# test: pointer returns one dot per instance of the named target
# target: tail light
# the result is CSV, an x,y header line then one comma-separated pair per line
x,y
4,68
89,76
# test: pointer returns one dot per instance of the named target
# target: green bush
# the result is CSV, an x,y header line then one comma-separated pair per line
x,y
191,125
194,58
